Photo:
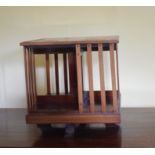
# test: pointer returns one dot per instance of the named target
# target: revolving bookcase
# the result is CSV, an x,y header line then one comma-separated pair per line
x,y
73,104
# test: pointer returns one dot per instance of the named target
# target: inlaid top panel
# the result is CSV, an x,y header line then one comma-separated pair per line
x,y
67,41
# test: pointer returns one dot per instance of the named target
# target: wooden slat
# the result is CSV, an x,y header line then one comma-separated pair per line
x,y
113,77
33,95
118,87
82,71
34,79
101,71
34,71
90,78
65,73
56,72
48,74
30,79
117,68
27,78
79,77
73,87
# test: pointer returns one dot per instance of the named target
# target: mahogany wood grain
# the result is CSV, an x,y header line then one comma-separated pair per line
x,y
56,102
33,79
45,118
66,41
34,76
90,78
27,77
117,64
113,77
79,77
30,80
101,71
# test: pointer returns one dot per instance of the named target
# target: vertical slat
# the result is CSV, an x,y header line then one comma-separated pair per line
x,y
56,73
27,78
33,96
30,79
48,74
113,77
101,71
90,77
118,87
117,68
34,79
82,71
79,77
34,71
65,73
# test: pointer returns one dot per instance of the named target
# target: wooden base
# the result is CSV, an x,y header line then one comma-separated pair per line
x,y
46,118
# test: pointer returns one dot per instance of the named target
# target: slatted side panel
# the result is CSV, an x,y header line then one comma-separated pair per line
x,y
30,79
79,77
113,77
90,77
107,104
102,81
64,64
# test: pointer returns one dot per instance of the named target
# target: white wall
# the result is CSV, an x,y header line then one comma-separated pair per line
x,y
134,25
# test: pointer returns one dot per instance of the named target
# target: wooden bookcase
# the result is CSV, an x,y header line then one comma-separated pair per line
x,y
74,105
